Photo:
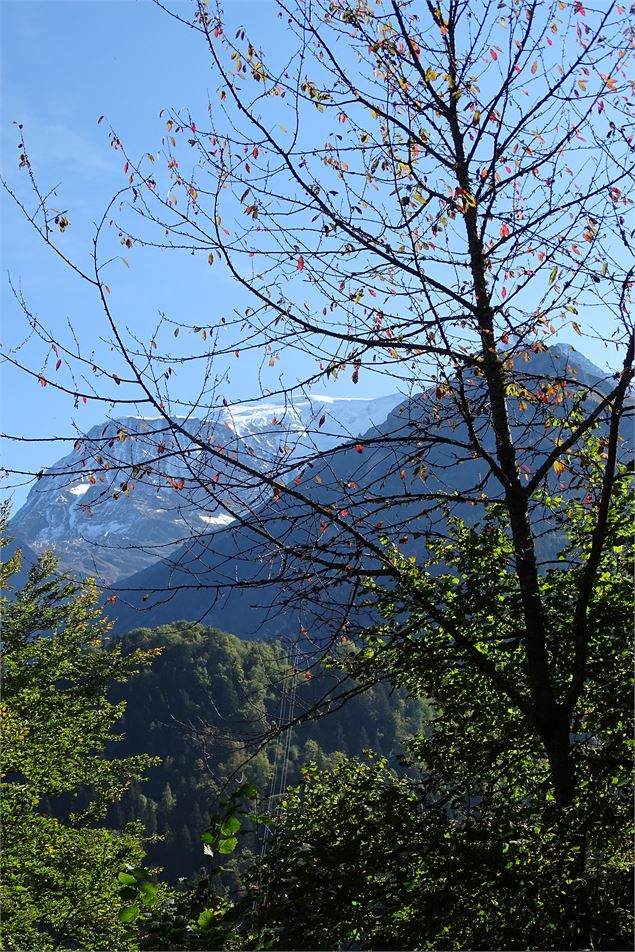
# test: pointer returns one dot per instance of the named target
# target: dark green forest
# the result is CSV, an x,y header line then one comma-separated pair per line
x,y
199,709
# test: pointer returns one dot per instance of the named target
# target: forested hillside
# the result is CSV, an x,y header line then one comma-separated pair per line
x,y
200,708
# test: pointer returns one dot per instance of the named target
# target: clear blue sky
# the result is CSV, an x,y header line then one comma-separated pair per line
x,y
65,63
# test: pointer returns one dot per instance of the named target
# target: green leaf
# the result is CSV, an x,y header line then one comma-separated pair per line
x,y
207,918
149,892
230,825
227,845
127,879
207,837
128,913
553,275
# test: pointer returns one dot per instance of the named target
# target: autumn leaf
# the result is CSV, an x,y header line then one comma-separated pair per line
x,y
300,263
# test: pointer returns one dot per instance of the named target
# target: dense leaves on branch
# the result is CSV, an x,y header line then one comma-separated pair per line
x,y
475,853
59,868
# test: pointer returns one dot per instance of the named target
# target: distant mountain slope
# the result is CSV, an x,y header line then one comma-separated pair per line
x,y
130,491
240,577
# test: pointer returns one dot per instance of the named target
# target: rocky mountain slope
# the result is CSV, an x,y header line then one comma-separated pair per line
x,y
131,491
281,571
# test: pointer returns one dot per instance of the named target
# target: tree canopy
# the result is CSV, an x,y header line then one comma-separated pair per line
x,y
59,867
474,851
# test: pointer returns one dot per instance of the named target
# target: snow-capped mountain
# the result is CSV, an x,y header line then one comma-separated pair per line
x,y
269,576
132,489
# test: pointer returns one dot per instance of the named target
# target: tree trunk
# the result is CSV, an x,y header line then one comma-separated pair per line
x,y
555,735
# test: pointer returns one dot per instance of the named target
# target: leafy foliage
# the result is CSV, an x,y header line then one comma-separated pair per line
x,y
59,882
475,852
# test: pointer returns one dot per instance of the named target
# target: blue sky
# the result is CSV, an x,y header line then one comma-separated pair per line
x,y
65,63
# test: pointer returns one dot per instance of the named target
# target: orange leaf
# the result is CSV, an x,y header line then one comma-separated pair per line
x,y
300,263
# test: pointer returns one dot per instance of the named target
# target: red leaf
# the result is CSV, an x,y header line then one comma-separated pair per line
x,y
58,364
359,448
300,263
322,420
43,381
